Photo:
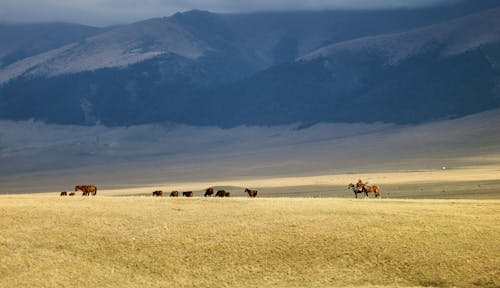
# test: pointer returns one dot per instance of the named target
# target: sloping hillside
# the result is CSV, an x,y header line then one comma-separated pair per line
x,y
201,68
19,41
453,38
441,71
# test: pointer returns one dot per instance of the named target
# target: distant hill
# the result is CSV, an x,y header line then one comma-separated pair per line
x,y
445,70
203,68
18,41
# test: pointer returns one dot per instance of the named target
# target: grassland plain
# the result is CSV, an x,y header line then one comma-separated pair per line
x,y
49,241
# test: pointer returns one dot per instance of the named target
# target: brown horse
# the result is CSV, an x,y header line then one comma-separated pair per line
x,y
86,189
227,194
209,192
372,189
187,194
71,194
174,194
251,193
158,193
220,193
64,193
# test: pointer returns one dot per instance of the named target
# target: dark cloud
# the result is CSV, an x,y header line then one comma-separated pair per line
x,y
106,12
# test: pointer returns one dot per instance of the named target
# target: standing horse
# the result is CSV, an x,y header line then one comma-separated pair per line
x,y
251,193
187,194
157,193
87,190
222,193
372,189
356,190
209,192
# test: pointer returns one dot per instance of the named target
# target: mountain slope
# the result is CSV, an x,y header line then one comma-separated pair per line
x,y
445,70
454,37
216,69
255,41
119,47
19,41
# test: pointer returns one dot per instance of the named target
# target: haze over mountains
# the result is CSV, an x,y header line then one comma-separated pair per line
x,y
202,68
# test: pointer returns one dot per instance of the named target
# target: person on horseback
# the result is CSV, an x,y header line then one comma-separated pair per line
x,y
360,184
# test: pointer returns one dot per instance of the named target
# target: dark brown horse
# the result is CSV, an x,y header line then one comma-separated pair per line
x,y
187,194
251,193
220,193
158,193
209,192
87,190
64,193
174,194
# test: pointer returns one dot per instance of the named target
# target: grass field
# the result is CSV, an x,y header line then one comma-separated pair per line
x,y
50,241
305,229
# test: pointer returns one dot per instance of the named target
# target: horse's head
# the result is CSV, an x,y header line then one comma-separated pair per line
x,y
350,186
76,188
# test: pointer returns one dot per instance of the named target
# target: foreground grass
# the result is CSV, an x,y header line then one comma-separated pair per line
x,y
282,242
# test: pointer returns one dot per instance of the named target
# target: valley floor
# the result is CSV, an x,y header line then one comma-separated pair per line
x,y
479,182
316,161
52,241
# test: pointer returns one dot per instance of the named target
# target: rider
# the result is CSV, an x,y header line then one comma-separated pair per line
x,y
360,184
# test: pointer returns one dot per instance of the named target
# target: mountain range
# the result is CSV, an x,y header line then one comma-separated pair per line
x,y
203,68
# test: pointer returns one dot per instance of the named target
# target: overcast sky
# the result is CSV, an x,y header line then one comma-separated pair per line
x,y
106,12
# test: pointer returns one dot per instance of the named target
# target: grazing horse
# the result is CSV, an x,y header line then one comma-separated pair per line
x,y
64,193
209,192
227,194
174,194
71,194
158,193
222,193
87,190
356,190
251,193
372,189
187,194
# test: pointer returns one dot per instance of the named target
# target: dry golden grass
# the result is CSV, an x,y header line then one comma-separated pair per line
x,y
48,241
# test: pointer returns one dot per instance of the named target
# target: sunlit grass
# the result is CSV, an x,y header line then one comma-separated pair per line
x,y
50,241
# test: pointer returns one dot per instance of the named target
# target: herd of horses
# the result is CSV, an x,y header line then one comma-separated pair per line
x,y
91,190
209,192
